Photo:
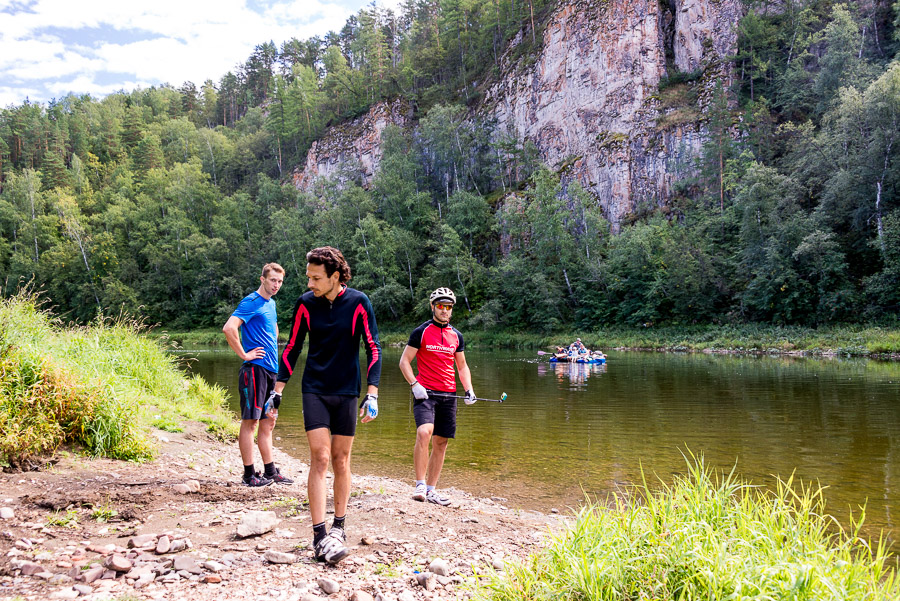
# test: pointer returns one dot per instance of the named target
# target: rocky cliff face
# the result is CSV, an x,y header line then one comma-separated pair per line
x,y
354,146
590,102
592,99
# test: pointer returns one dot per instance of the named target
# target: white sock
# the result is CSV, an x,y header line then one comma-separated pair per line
x,y
429,488
418,482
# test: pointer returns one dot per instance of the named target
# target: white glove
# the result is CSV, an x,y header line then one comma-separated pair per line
x,y
369,408
419,392
470,397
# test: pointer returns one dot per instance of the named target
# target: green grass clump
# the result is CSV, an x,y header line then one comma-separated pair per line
x,y
704,537
99,386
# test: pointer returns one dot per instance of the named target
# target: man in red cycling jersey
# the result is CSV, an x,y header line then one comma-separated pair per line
x,y
435,345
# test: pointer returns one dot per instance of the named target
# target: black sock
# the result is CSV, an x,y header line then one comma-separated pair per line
x,y
270,469
318,533
248,471
338,522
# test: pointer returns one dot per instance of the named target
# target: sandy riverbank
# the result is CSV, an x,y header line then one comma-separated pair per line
x,y
174,534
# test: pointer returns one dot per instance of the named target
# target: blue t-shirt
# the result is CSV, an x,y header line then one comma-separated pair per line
x,y
260,323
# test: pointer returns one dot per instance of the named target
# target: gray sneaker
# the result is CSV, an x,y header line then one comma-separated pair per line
x,y
420,493
433,496
331,549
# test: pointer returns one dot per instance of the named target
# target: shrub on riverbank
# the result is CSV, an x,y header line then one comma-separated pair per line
x,y
704,537
99,386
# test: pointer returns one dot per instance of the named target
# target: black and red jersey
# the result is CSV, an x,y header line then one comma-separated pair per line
x,y
335,330
437,347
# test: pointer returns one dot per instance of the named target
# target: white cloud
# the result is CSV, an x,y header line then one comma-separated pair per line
x,y
52,45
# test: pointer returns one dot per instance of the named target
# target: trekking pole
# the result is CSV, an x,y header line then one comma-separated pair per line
x,y
478,398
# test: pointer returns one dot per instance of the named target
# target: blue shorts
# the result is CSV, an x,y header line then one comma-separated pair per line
x,y
255,383
438,409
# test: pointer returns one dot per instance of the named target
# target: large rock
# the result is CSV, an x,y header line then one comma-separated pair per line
x,y
7,513
255,523
187,564
140,541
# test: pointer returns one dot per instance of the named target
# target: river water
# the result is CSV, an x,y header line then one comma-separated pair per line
x,y
570,432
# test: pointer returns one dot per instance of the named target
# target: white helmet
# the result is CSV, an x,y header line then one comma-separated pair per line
x,y
443,294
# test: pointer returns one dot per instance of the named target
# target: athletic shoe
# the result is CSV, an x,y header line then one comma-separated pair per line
x,y
338,533
256,480
437,498
331,549
420,493
277,478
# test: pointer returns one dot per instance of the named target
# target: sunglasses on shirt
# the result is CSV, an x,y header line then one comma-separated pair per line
x,y
443,306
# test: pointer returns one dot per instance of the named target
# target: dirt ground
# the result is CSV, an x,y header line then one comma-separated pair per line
x,y
57,539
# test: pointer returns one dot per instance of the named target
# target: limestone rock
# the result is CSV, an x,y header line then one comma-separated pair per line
x,y
117,563
92,575
361,596
426,580
213,566
188,564
141,540
30,569
7,513
163,545
328,586
255,523
439,567
274,556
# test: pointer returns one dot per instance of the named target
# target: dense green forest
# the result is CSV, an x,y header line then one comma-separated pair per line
x,y
165,202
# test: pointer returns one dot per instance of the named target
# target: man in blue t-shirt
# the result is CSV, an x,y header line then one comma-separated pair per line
x,y
252,333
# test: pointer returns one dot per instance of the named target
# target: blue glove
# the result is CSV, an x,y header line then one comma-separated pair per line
x,y
369,407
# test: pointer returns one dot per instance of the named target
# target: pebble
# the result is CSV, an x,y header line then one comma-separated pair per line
x,y
118,563
274,556
193,485
7,513
212,579
140,541
213,566
83,589
439,567
426,580
255,523
163,545
328,586
182,489
361,596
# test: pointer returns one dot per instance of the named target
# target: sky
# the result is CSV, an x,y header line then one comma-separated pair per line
x,y
49,48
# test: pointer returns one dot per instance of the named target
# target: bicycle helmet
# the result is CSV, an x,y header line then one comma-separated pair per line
x,y
443,295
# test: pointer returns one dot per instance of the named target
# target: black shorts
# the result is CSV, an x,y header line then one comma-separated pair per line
x,y
438,409
255,383
337,412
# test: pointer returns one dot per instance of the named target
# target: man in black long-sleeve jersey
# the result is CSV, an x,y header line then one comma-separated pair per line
x,y
336,319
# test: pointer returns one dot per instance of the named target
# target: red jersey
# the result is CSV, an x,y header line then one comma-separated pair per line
x,y
437,347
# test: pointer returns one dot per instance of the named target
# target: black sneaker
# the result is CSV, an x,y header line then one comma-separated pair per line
x,y
256,480
277,478
331,549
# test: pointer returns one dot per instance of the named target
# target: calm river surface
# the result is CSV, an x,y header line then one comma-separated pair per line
x,y
567,431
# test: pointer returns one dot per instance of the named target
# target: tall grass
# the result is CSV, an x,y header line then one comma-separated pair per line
x,y
99,386
706,536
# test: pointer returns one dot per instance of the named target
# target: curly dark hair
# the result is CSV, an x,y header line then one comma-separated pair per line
x,y
332,260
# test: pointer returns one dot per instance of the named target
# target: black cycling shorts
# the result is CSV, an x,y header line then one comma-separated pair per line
x,y
337,412
255,383
438,409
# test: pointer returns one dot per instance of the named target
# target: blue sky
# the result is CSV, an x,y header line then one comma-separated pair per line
x,y
49,48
